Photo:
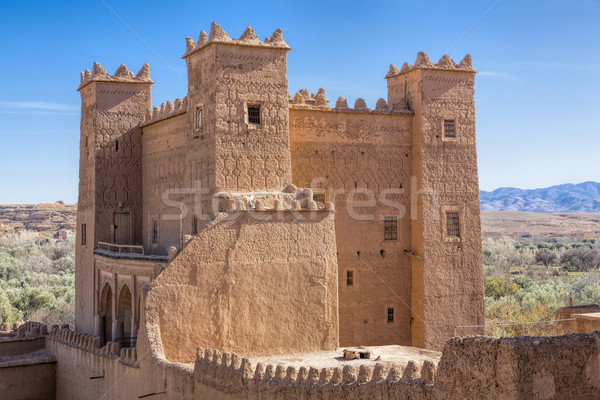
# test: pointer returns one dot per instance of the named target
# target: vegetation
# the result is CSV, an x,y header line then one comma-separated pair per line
x,y
528,279
37,279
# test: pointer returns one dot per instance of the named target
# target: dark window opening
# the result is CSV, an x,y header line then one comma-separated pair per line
x,y
254,115
155,230
198,118
349,278
449,131
83,234
390,314
382,253
116,145
390,228
452,224
319,197
195,225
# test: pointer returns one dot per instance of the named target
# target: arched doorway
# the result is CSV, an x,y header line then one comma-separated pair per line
x,y
106,316
124,317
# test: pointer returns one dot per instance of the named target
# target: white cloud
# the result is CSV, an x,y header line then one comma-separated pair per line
x,y
37,106
502,75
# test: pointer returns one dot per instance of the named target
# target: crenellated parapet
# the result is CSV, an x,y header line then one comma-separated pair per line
x,y
229,373
122,74
83,341
423,61
73,338
291,198
248,38
166,110
303,99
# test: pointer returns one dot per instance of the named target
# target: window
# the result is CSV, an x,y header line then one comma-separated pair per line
x,y
452,225
154,230
198,118
195,225
449,130
390,314
83,234
319,197
390,227
349,278
254,114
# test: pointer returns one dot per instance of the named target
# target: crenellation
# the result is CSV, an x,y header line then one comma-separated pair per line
x,y
302,375
423,62
202,38
280,373
269,372
248,38
381,105
393,71
360,105
313,376
260,371
349,373
365,373
291,374
122,74
166,110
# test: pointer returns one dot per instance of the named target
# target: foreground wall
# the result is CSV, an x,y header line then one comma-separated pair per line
x,y
253,282
560,367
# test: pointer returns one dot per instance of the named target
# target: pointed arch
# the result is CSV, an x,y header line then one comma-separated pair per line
x,y
124,316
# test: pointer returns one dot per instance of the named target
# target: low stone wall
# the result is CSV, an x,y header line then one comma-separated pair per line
x,y
27,371
21,346
558,367
227,376
28,380
470,368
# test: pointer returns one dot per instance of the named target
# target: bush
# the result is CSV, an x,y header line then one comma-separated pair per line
x,y
499,287
581,258
36,279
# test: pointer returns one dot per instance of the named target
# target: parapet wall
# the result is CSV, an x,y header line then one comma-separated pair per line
x,y
558,367
260,280
232,375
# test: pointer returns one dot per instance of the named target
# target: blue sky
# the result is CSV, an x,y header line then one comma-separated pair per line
x,y
538,64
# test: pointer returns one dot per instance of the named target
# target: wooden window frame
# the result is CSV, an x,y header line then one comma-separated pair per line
x,y
390,231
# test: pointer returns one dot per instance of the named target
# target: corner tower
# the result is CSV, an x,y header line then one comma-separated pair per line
x,y
447,265
110,184
238,110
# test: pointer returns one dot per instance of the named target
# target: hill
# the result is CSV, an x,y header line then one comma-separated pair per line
x,y
46,219
579,225
582,197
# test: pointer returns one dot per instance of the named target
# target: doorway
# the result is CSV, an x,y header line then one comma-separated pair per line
x,y
122,232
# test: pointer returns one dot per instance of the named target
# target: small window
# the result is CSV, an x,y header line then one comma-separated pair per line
x,y
452,225
254,114
319,197
198,118
83,234
154,230
390,227
195,225
390,314
449,130
349,278
116,145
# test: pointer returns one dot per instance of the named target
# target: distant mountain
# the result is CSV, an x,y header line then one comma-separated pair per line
x,y
582,197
